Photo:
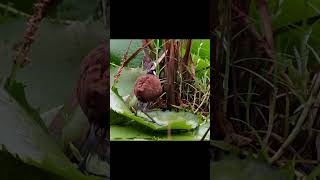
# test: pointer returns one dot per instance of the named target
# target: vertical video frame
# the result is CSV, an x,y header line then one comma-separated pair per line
x,y
159,89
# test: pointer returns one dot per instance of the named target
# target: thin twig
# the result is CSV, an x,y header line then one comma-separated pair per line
x,y
125,61
295,131
271,116
26,15
205,97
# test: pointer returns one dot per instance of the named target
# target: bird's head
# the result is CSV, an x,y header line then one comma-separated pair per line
x,y
152,70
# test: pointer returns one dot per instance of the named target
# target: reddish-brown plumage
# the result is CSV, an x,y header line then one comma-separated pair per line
x,y
92,95
93,84
147,88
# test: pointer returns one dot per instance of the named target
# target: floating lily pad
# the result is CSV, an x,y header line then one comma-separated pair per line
x,y
172,120
119,133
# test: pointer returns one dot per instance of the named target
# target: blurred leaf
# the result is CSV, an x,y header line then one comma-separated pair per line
x,y
16,90
24,6
51,76
290,14
231,168
76,10
225,146
12,167
23,136
74,129
176,120
314,174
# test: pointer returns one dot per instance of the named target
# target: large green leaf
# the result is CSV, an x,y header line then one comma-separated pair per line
x,y
24,137
75,124
289,12
129,129
13,168
174,120
50,79
119,133
51,76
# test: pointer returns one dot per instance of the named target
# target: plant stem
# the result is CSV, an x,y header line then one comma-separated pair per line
x,y
295,131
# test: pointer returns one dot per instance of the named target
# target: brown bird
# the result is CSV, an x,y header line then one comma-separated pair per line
x,y
147,89
92,96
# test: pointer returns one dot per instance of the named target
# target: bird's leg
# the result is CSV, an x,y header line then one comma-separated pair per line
x,y
151,119
89,144
143,108
107,140
95,137
138,107
103,148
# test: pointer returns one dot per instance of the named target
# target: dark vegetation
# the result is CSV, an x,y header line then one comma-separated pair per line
x,y
266,90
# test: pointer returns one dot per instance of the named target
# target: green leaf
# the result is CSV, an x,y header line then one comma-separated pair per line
x,y
25,138
16,90
201,48
12,167
314,174
52,75
73,132
290,14
176,120
127,79
230,168
138,133
119,47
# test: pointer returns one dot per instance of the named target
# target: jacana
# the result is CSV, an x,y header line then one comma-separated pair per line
x,y
147,89
92,97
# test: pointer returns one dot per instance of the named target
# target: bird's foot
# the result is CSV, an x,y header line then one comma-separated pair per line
x,y
82,166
